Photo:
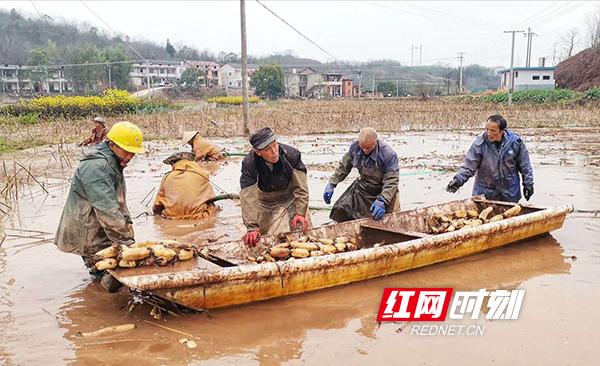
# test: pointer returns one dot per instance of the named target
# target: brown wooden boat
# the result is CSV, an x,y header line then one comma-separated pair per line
x,y
227,278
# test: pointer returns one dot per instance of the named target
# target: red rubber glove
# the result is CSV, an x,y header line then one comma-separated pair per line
x,y
251,238
299,219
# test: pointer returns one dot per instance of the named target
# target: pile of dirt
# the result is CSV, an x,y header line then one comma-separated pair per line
x,y
580,72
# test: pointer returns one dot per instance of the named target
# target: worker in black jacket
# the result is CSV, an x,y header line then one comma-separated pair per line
x,y
274,188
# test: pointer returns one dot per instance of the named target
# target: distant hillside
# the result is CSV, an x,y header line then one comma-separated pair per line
x,y
45,41
19,34
580,72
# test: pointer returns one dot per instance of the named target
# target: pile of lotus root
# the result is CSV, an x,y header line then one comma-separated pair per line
x,y
465,219
305,247
143,254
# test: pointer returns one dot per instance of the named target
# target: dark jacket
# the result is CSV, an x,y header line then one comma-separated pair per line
x,y
259,182
497,170
95,214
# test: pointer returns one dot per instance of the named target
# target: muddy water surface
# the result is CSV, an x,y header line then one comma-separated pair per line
x,y
47,297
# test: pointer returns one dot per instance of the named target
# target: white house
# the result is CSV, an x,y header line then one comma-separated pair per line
x,y
160,72
211,70
528,78
16,79
231,75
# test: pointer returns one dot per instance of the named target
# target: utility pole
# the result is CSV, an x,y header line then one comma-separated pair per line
x,y
412,54
512,65
529,35
397,95
148,77
420,55
460,72
245,114
17,74
109,76
47,79
373,88
60,72
359,84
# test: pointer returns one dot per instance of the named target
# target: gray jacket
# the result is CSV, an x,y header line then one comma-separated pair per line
x,y
497,171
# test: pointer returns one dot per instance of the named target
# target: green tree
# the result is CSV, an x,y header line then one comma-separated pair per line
x,y
52,52
189,77
170,49
119,73
189,53
388,88
37,57
268,81
84,76
37,72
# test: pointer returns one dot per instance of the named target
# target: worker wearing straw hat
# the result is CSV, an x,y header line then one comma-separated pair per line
x,y
98,133
95,215
201,147
274,188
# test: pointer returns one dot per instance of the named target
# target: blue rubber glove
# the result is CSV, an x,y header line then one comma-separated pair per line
x,y
328,193
378,209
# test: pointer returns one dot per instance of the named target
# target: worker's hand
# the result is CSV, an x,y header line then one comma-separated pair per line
x,y
252,237
299,220
453,186
215,157
378,209
130,228
328,193
528,192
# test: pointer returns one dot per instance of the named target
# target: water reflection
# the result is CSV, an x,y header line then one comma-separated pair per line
x,y
273,332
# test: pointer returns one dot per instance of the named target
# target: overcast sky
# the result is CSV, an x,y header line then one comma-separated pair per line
x,y
348,30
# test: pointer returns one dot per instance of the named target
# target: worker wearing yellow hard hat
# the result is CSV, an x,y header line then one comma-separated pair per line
x,y
95,215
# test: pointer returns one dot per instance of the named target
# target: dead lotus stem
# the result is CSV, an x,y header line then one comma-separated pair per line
x,y
172,330
34,178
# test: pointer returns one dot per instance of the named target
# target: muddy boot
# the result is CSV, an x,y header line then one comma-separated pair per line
x,y
110,283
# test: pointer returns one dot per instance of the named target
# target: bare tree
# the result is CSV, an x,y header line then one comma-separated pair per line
x,y
593,29
12,51
568,42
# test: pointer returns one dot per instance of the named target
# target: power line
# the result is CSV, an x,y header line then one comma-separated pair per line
x,y
297,31
444,15
435,18
572,7
128,45
37,10
537,14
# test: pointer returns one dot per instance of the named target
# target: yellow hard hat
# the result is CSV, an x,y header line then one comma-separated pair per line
x,y
127,136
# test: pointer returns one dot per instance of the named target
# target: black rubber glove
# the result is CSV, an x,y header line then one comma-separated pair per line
x,y
528,192
453,186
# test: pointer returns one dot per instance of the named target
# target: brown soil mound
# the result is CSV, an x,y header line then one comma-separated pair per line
x,y
580,72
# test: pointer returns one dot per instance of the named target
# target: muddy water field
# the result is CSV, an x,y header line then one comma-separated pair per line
x,y
47,297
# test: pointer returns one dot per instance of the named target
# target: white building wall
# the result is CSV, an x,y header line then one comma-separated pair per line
x,y
529,79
